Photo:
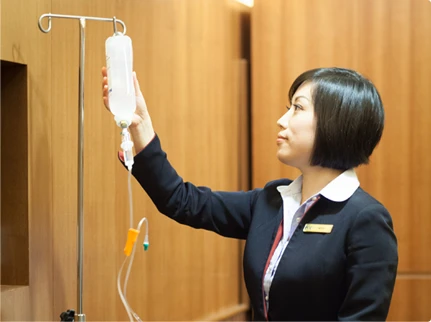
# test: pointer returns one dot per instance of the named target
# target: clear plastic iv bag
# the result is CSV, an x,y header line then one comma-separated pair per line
x,y
119,64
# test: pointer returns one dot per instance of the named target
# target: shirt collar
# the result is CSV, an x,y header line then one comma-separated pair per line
x,y
293,188
338,190
342,187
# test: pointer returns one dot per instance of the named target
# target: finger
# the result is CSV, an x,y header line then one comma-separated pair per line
x,y
105,96
104,71
104,82
106,102
105,90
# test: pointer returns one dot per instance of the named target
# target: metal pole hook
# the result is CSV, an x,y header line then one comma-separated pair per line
x,y
49,22
50,16
115,25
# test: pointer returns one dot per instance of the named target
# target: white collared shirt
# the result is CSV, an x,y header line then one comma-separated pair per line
x,y
338,190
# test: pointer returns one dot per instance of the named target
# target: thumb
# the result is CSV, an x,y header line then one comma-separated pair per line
x,y
136,84
121,156
140,100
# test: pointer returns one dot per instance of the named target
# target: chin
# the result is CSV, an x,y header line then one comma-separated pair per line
x,y
283,158
289,160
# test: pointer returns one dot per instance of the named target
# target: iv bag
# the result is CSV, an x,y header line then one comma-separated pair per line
x,y
119,64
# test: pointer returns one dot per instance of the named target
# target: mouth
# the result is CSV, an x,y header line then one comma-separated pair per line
x,y
281,139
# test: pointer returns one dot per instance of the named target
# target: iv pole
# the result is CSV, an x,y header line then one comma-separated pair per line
x,y
69,315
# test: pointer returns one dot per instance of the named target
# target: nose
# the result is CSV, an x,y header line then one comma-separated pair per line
x,y
283,121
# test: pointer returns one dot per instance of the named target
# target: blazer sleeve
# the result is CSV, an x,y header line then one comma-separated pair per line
x,y
372,260
225,213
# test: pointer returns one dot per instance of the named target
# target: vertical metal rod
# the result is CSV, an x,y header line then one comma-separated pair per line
x,y
81,316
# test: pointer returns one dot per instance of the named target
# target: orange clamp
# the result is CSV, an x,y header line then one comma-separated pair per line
x,y
132,235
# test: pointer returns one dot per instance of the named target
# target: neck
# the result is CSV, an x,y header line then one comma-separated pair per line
x,y
315,179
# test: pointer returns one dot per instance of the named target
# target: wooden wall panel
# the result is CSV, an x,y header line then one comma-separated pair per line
x,y
388,41
16,303
411,298
22,42
188,56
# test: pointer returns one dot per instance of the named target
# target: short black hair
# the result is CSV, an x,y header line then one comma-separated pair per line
x,y
349,116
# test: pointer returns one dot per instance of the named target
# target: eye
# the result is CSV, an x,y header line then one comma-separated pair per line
x,y
295,106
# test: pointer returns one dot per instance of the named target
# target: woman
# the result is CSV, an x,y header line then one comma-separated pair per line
x,y
319,247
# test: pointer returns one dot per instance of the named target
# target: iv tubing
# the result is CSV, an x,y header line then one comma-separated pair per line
x,y
121,292
131,225
123,299
130,197
133,255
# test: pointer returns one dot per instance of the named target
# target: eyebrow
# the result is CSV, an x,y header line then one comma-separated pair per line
x,y
296,98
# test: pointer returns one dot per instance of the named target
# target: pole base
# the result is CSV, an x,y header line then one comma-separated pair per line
x,y
69,315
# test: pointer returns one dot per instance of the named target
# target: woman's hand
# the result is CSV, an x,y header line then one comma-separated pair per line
x,y
141,128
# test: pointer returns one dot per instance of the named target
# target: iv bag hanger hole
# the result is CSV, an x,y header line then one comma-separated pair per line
x,y
116,32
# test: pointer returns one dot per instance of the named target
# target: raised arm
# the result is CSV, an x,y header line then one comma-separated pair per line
x,y
226,213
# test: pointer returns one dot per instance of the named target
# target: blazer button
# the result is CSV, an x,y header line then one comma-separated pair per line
x,y
266,298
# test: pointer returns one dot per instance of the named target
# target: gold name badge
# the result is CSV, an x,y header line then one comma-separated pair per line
x,y
318,228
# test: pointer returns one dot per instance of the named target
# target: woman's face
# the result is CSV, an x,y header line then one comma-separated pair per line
x,y
297,129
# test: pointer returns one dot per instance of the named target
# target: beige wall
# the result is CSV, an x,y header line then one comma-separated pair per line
x,y
390,42
188,57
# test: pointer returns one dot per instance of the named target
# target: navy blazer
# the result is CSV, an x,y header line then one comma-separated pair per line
x,y
348,274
